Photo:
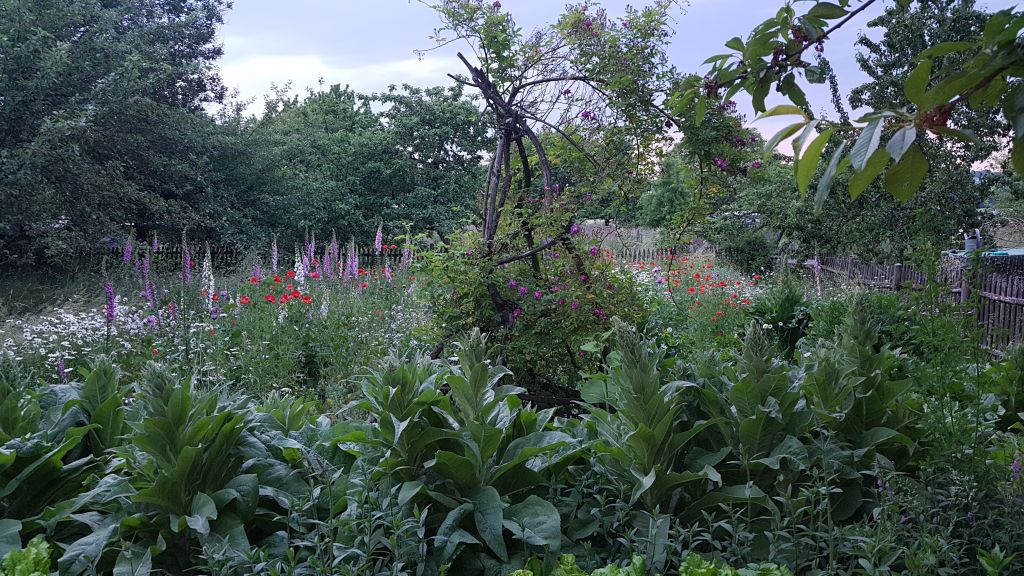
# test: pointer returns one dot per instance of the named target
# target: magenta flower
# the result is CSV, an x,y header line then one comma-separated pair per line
x,y
587,23
538,294
584,277
378,240
496,4
594,251
574,229
523,291
127,256
517,313
575,304
756,165
61,372
512,283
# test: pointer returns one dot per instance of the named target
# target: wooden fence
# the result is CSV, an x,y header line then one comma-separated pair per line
x,y
995,297
168,256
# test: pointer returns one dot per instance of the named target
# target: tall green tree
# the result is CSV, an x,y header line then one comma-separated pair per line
x,y
89,91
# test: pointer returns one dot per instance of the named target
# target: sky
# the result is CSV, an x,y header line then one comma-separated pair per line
x,y
371,44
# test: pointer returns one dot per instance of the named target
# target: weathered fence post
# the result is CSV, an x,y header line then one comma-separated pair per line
x,y
897,276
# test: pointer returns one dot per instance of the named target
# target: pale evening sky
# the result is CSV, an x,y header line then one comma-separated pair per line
x,y
371,44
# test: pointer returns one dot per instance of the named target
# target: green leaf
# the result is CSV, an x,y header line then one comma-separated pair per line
x,y
735,43
808,164
203,510
860,181
1017,155
132,562
535,521
900,142
488,512
825,183
917,82
866,144
826,11
409,491
783,134
946,48
10,536
782,110
906,176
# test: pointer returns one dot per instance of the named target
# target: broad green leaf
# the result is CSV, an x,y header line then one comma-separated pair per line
x,y
906,176
825,183
826,11
799,141
1013,109
702,109
781,135
10,536
133,562
945,48
808,164
782,110
645,482
535,521
900,142
450,536
917,82
860,181
488,512
735,43
1017,155
409,491
866,144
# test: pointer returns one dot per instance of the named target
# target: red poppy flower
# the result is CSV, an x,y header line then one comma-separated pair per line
x,y
692,290
314,274
363,285
270,298
746,301
254,280
296,293
289,286
277,279
245,300
307,299
757,276
291,273
155,352
697,276
215,297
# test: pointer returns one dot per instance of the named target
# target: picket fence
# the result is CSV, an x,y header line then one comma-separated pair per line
x,y
994,295
169,256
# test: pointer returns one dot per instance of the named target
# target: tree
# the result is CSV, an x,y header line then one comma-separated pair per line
x,y
79,80
986,77
591,79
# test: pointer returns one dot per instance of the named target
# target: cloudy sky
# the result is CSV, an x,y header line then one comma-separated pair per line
x,y
371,44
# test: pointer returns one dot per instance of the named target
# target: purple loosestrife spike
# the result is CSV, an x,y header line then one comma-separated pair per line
x,y
257,271
156,243
111,302
61,372
378,240
127,256
147,285
387,272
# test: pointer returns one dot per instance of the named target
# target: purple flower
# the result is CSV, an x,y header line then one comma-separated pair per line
x,y
756,165
598,313
594,251
273,255
575,304
561,301
584,277
566,92
111,302
156,244
721,163
523,291
582,354
512,283
257,271
574,229
378,240
517,313
588,197
1015,469
150,322
668,124
587,23
538,294
127,256
61,372
496,4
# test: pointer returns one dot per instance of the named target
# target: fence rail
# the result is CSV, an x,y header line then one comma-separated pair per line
x,y
995,298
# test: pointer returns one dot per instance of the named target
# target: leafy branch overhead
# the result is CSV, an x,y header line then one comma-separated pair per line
x,y
893,141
